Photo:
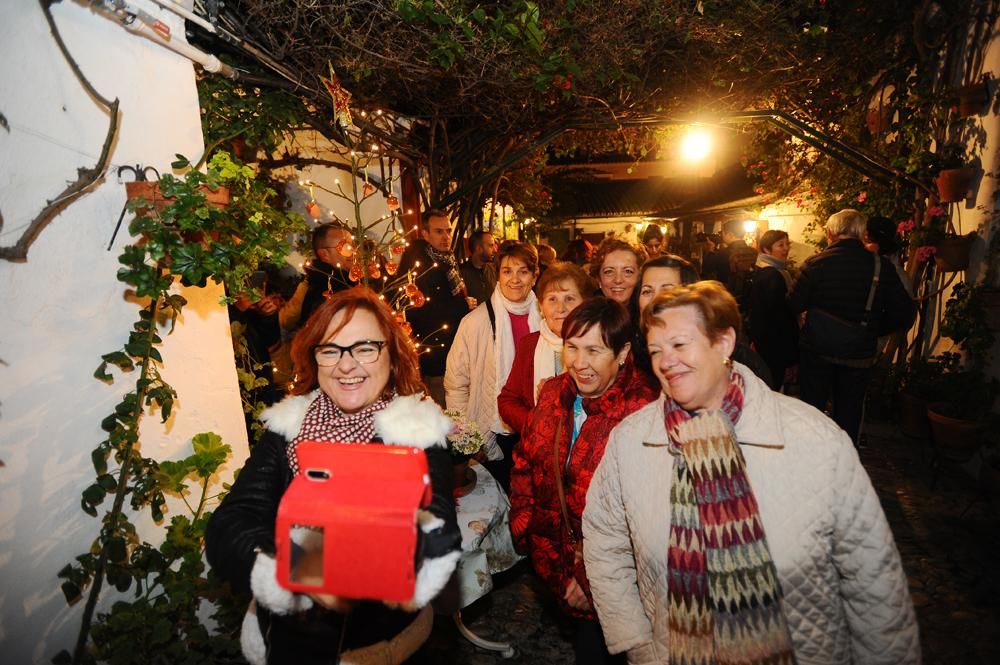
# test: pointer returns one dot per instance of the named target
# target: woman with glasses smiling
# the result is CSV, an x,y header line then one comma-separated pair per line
x,y
357,380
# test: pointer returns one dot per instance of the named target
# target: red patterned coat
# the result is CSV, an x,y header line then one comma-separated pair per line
x,y
536,520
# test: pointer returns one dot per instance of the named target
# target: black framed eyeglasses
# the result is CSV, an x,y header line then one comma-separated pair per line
x,y
365,352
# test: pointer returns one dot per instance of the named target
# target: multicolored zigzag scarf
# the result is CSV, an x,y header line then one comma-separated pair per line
x,y
724,599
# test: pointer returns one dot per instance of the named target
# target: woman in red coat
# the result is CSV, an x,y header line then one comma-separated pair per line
x,y
566,435
538,356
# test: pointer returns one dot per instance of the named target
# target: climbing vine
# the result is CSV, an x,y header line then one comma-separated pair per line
x,y
182,237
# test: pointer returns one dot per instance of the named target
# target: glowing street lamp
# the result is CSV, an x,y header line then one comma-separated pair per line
x,y
696,145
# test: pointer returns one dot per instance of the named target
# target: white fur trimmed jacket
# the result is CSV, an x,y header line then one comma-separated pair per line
x,y
240,540
845,593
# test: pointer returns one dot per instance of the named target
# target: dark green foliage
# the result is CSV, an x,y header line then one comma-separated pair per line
x,y
188,239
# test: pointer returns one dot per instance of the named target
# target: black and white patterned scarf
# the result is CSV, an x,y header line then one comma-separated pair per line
x,y
325,422
447,260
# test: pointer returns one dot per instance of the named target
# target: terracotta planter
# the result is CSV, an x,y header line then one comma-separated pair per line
x,y
913,416
972,100
878,120
954,439
953,184
150,191
953,253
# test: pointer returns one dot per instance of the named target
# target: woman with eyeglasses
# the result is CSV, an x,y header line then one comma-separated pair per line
x,y
357,380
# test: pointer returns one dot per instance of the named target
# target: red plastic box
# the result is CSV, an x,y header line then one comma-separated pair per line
x,y
347,524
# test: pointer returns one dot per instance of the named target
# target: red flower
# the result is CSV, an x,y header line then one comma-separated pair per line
x,y
862,197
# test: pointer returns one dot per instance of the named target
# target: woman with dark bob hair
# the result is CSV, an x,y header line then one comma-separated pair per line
x,y
561,446
538,356
731,524
357,380
482,354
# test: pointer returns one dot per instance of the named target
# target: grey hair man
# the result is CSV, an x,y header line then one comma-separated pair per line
x,y
850,297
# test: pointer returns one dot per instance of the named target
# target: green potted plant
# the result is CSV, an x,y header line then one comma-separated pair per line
x,y
916,384
965,394
954,176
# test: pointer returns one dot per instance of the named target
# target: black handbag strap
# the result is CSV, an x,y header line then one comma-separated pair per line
x,y
493,318
871,291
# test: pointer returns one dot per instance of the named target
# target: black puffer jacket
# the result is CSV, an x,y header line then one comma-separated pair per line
x,y
244,524
838,280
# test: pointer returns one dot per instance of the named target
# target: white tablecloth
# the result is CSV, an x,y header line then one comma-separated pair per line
x,y
486,544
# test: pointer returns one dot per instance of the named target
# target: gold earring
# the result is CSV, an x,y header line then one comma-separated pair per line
x,y
728,362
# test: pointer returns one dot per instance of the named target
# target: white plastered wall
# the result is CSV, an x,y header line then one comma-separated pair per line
x,y
63,307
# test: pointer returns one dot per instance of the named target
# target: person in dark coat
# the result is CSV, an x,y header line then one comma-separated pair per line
x,y
576,410
479,271
357,381
435,322
772,325
837,281
325,274
717,263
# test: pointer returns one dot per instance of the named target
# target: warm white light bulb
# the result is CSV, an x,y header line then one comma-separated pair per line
x,y
696,145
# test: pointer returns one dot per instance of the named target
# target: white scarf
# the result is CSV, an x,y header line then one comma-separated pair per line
x,y
548,349
503,346
768,261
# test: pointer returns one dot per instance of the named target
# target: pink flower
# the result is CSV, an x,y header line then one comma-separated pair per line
x,y
936,211
925,253
862,197
904,226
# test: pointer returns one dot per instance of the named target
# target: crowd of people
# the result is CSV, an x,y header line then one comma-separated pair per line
x,y
677,497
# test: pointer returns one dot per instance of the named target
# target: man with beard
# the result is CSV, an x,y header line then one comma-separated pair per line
x,y
437,275
479,272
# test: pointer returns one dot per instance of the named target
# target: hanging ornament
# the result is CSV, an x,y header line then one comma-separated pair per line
x,y
341,99
313,209
345,249
398,249
356,272
391,267
373,270
392,202
368,189
417,298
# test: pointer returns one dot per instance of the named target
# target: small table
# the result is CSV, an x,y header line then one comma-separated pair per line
x,y
483,518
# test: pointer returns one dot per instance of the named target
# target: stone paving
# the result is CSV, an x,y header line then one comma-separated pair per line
x,y
951,560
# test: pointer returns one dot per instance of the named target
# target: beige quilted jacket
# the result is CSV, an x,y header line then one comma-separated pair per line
x,y
845,593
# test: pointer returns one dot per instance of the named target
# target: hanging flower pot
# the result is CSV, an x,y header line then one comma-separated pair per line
x,y
953,184
972,99
878,119
150,191
953,438
953,253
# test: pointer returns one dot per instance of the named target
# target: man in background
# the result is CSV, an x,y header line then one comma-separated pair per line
x,y
324,272
479,272
436,274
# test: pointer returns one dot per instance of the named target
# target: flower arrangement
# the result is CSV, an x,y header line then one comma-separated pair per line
x,y
925,239
465,439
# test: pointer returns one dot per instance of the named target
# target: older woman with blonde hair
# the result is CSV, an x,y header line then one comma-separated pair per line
x,y
728,523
